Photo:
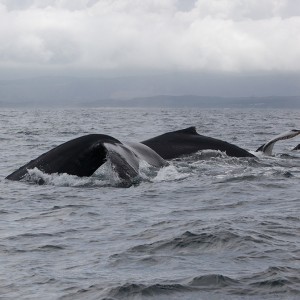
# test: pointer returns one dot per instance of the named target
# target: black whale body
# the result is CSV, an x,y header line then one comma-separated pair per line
x,y
297,147
84,155
81,156
187,141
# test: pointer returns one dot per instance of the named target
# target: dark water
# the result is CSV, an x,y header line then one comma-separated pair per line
x,y
206,227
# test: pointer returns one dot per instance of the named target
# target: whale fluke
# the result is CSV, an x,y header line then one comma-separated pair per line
x,y
267,148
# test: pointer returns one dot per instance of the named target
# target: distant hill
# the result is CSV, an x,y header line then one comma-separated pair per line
x,y
167,101
202,102
165,90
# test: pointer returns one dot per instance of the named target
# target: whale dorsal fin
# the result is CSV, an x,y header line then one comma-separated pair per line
x,y
189,130
297,147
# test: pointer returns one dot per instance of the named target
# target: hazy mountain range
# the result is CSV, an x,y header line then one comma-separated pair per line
x,y
202,101
168,90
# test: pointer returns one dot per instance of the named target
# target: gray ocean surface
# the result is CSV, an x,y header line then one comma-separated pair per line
x,y
207,226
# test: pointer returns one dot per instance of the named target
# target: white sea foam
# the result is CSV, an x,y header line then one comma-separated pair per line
x,y
37,176
169,173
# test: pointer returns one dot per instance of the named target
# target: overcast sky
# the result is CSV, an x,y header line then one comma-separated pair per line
x,y
125,36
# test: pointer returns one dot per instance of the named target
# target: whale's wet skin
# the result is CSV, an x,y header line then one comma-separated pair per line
x,y
205,226
82,156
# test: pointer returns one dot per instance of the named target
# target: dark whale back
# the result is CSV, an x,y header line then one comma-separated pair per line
x,y
84,155
81,157
187,141
297,147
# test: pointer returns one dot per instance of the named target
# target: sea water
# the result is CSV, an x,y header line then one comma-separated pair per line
x,y
207,226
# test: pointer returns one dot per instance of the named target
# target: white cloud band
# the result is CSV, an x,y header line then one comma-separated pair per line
x,y
218,35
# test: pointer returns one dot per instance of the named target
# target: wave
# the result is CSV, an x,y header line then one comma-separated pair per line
x,y
31,235
131,289
50,247
274,280
212,281
267,283
189,242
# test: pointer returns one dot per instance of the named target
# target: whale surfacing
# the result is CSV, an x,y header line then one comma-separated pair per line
x,y
84,155
187,141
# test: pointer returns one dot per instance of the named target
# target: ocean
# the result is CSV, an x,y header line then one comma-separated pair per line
x,y
207,226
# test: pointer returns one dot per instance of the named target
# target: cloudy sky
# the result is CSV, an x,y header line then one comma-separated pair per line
x,y
149,36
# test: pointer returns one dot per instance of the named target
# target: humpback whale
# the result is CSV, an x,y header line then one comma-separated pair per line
x,y
84,155
267,148
187,141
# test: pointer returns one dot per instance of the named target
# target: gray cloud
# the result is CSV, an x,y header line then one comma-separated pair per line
x,y
203,35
